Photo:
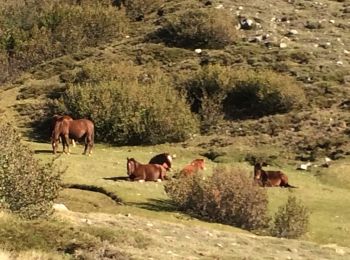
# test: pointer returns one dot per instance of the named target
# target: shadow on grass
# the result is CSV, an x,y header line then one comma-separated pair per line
x,y
43,151
118,178
156,205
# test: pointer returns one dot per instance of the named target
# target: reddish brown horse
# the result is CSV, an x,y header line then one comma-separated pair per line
x,y
144,172
193,167
163,159
75,129
56,118
270,178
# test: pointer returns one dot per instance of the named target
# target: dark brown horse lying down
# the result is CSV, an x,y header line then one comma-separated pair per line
x,y
75,129
163,159
145,172
193,167
270,178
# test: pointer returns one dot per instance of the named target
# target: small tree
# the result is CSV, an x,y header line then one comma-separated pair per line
x,y
228,196
199,28
291,219
27,187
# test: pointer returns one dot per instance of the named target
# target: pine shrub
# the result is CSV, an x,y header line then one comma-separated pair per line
x,y
291,220
27,187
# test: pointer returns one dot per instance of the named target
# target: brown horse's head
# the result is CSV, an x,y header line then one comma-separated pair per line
x,y
258,170
130,166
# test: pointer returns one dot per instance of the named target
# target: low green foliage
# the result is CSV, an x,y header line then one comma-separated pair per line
x,y
132,113
26,187
137,9
199,28
242,93
228,196
291,219
259,93
37,31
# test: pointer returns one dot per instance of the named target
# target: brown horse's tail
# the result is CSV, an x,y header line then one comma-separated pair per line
x,y
287,185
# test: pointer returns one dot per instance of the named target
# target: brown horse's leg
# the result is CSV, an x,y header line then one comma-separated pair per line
x,y
65,141
88,144
54,144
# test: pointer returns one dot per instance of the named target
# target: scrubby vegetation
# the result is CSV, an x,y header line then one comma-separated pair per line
x,y
256,82
27,187
244,92
37,31
228,196
291,220
200,28
133,113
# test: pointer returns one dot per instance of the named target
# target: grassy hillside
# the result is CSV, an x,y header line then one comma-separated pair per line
x,y
151,44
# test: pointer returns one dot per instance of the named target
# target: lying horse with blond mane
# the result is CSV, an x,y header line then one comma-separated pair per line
x,y
193,167
270,178
74,129
145,172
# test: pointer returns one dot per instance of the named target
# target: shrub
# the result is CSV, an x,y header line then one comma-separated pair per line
x,y
244,93
36,31
200,28
228,196
291,219
131,113
259,93
136,10
26,187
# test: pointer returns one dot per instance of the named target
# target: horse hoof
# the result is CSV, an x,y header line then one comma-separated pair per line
x,y
159,180
141,180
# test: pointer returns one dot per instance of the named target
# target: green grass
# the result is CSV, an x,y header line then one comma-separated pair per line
x,y
330,218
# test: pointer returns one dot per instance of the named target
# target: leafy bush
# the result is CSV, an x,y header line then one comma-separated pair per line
x,y
199,28
132,113
259,93
26,187
242,93
36,31
137,9
228,196
291,219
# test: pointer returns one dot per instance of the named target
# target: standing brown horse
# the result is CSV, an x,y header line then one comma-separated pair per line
x,y
193,167
270,178
75,129
56,118
144,172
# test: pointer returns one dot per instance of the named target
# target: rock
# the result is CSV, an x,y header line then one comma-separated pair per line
x,y
304,166
198,51
346,79
220,6
283,45
59,207
313,25
292,32
246,24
